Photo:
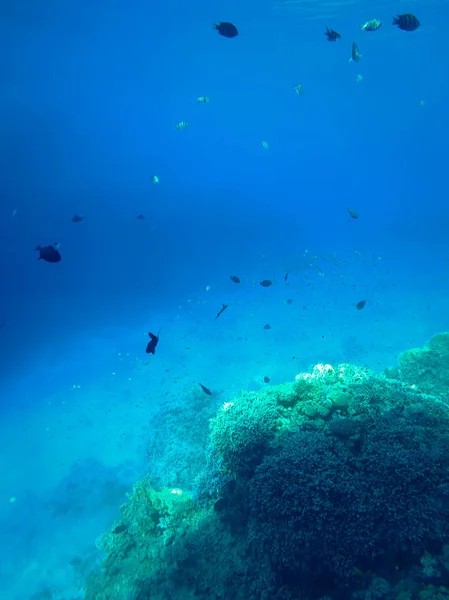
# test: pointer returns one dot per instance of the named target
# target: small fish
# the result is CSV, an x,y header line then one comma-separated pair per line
x,y
353,213
289,301
298,89
205,389
181,125
49,253
266,145
234,278
154,179
226,29
77,218
266,379
120,529
286,276
14,212
151,346
203,99
332,36
355,53
140,217
371,25
267,326
407,22
2,325
360,304
222,309
266,283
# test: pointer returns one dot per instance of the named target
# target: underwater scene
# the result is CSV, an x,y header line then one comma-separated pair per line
x,y
224,300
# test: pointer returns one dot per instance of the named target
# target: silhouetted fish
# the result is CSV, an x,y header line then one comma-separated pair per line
x,y
226,29
49,253
234,278
266,282
120,529
205,389
360,304
222,309
151,346
407,22
332,36
353,213
77,218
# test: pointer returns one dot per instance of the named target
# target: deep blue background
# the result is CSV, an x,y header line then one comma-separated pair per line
x,y
90,96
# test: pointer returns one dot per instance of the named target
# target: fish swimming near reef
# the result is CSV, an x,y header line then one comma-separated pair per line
x,y
50,253
205,389
332,36
407,22
355,53
226,29
222,309
371,25
151,346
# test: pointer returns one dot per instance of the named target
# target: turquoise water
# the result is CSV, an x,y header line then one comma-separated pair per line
x,y
91,94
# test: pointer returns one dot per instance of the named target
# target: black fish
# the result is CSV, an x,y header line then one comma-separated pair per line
x,y
289,301
151,346
332,36
266,379
222,309
353,213
267,326
406,22
286,276
77,218
226,29
120,529
205,389
48,253
234,278
360,304
140,217
266,283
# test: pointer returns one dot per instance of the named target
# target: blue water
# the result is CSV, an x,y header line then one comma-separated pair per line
x,y
90,96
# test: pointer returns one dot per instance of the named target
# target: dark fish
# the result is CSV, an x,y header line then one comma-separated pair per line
x,y
266,379
140,217
353,213
2,325
360,304
406,22
48,253
355,53
289,301
120,529
286,276
222,309
234,278
267,326
77,218
151,346
205,389
332,36
266,283
226,29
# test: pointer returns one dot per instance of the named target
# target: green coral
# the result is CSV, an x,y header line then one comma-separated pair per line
x,y
426,368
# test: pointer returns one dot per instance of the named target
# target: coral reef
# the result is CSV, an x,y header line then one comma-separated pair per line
x,y
335,484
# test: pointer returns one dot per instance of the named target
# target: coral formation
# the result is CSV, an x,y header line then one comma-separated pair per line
x,y
335,483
